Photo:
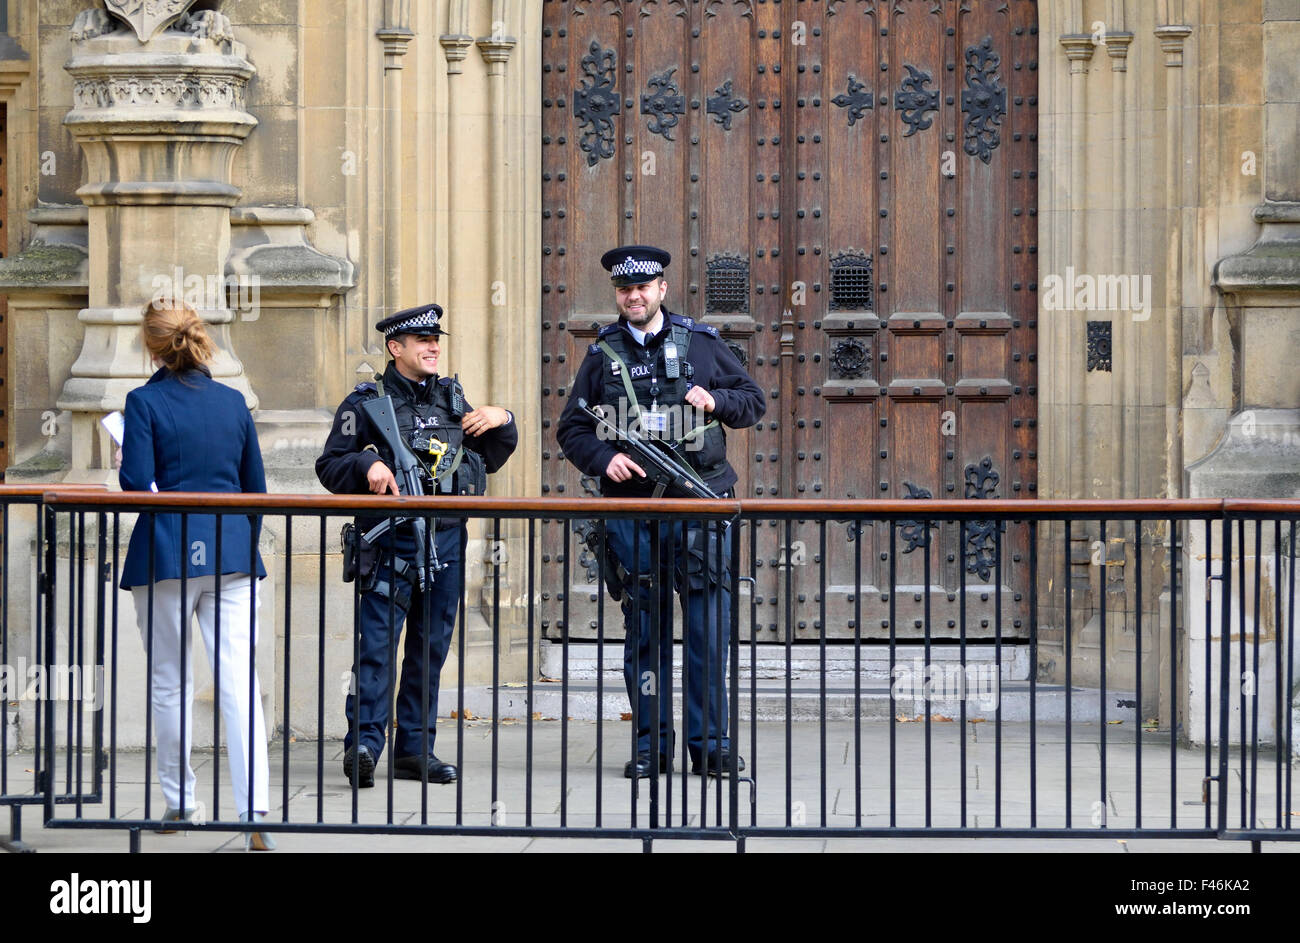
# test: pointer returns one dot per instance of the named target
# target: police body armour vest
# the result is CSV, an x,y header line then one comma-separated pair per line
x,y
659,379
432,430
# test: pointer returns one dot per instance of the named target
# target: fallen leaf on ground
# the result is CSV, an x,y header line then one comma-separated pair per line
x,y
537,715
975,720
469,715
1113,722
626,715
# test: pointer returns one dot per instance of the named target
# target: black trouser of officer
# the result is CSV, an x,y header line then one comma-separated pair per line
x,y
706,602
430,617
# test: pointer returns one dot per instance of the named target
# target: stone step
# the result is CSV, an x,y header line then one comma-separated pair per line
x,y
805,661
982,701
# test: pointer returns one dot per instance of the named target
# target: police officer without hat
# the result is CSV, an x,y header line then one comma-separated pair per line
x,y
458,447
669,362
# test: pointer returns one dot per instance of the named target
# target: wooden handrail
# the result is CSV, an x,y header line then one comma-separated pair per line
x,y
1020,509
36,491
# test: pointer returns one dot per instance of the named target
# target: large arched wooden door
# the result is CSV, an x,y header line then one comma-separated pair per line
x,y
848,191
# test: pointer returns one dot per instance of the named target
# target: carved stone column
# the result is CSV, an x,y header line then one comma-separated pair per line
x,y
396,35
1259,455
159,112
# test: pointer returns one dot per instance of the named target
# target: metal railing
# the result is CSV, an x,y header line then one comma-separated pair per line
x,y
1099,746
25,678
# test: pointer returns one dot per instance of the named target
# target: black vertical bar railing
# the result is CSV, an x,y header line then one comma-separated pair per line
x,y
496,666
531,673
602,575
961,628
1069,686
1256,682
254,691
1137,674
320,680
893,652
286,738
680,539
101,577
788,575
565,583
45,657
753,661
856,525
1290,661
927,704
918,760
390,641
1225,669
460,695
1173,673
821,638
1282,745
997,667
112,732
320,677
1209,657
1102,589
1033,674
733,643
73,750
1239,676
216,670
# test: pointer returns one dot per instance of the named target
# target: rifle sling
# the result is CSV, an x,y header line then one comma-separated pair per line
x,y
612,354
634,406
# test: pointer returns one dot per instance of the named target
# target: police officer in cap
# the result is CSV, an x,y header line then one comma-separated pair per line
x,y
458,446
676,380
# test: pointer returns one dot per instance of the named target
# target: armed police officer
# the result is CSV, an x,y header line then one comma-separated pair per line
x,y
676,380
456,447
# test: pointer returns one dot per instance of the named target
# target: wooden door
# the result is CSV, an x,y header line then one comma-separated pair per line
x,y
848,191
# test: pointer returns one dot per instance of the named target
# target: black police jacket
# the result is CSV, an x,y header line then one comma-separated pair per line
x,y
424,411
738,400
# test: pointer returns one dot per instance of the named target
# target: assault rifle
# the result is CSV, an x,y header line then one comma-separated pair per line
x,y
661,468
383,418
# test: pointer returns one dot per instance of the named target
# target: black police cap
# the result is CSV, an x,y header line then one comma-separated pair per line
x,y
422,319
635,265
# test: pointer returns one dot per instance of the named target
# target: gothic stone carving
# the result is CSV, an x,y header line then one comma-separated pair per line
x,y
147,17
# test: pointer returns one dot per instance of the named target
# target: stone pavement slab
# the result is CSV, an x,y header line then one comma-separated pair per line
x,y
583,795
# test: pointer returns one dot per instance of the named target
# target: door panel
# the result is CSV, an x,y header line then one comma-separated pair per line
x,y
847,189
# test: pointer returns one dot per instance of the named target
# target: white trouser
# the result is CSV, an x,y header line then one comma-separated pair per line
x,y
234,664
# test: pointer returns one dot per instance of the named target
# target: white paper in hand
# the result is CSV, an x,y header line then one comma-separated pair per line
x,y
115,424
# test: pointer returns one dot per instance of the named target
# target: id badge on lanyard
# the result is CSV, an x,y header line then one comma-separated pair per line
x,y
653,420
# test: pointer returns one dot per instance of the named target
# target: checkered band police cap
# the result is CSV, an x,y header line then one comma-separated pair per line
x,y
423,319
635,265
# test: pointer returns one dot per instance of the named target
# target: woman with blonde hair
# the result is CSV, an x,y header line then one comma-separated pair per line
x,y
186,432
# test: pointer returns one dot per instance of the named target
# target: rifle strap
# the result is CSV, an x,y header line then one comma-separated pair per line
x,y
697,431
379,385
633,406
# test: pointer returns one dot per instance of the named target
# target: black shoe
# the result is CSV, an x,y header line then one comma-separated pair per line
x,y
424,768
719,764
364,761
640,767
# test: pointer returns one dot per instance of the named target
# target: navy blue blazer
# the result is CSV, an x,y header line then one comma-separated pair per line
x,y
189,433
